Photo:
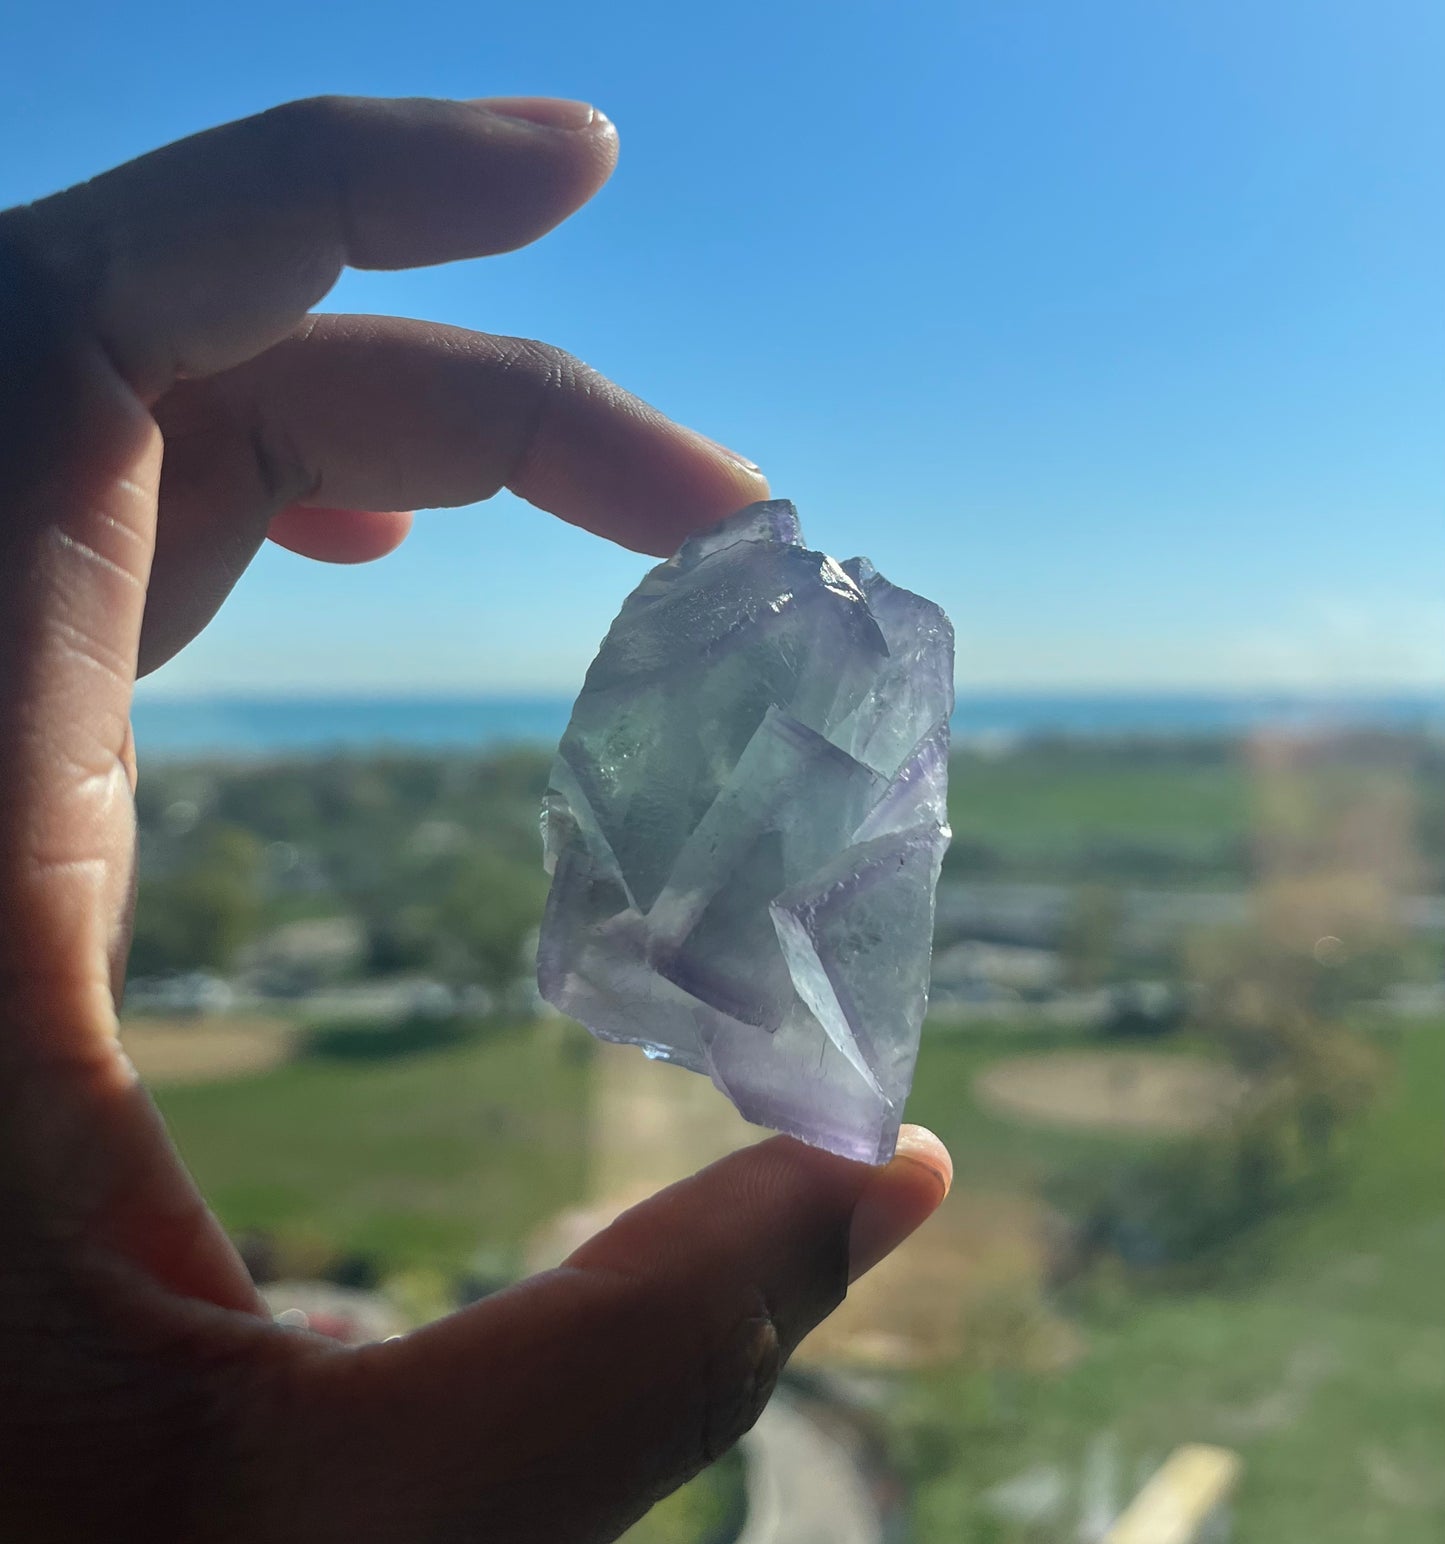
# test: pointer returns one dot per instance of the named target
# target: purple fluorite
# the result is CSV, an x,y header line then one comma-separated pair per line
x,y
744,826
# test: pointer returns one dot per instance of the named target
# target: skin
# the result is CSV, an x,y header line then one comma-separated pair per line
x,y
166,403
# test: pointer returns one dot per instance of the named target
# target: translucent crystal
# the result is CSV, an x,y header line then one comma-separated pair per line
x,y
744,827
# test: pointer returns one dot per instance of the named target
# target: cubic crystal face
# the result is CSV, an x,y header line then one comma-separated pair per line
x,y
744,827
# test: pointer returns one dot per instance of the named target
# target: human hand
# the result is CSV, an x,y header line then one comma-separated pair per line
x,y
143,1393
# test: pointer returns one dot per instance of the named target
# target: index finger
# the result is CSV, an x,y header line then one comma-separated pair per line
x,y
204,253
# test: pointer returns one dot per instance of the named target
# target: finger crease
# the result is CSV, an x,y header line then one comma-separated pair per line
x,y
344,204
89,649
81,867
280,469
549,388
122,527
85,550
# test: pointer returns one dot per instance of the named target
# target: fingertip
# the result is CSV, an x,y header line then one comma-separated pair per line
x,y
545,112
571,125
730,485
558,114
339,535
917,1144
726,481
668,483
898,1199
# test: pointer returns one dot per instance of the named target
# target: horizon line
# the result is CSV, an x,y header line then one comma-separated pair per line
x,y
963,693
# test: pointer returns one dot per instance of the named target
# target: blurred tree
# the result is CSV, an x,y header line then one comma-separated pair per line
x,y
200,916
485,916
398,938
1091,936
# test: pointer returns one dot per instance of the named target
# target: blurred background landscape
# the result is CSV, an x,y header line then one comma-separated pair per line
x,y
1115,329
1186,1043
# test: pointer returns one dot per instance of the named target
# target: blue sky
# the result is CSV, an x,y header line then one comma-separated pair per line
x,y
1117,327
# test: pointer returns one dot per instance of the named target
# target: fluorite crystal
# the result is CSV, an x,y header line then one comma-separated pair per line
x,y
744,828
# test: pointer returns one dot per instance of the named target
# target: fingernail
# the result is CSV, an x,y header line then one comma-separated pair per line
x,y
750,467
899,1198
549,112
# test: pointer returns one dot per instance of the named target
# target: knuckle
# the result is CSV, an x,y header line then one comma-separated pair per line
x,y
113,1406
40,303
546,375
553,368
293,147
739,1379
307,120
249,1485
297,148
312,152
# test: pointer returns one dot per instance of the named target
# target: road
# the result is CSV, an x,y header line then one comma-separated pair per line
x,y
803,1486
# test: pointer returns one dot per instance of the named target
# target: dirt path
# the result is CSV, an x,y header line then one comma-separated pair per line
x,y
205,1050
1139,1091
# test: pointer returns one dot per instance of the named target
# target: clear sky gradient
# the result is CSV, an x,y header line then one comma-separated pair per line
x,y
1117,327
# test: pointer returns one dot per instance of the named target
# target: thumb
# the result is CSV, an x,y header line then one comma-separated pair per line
x,y
562,1409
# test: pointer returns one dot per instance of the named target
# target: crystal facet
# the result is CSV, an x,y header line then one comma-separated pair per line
x,y
744,827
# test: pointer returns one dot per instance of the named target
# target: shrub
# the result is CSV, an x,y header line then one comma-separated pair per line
x,y
347,1040
1181,1204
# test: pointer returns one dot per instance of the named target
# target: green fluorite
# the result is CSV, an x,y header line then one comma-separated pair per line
x,y
744,826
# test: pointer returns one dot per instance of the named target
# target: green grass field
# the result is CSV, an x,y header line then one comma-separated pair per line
x,y
1321,1359
1026,798
1037,817
990,1151
1319,1354
418,1160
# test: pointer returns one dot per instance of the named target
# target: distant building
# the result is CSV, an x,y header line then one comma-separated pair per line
x,y
977,970
300,956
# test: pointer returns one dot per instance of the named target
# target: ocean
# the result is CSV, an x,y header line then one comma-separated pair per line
x,y
174,727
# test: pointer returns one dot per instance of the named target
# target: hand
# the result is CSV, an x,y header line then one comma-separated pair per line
x,y
143,1393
